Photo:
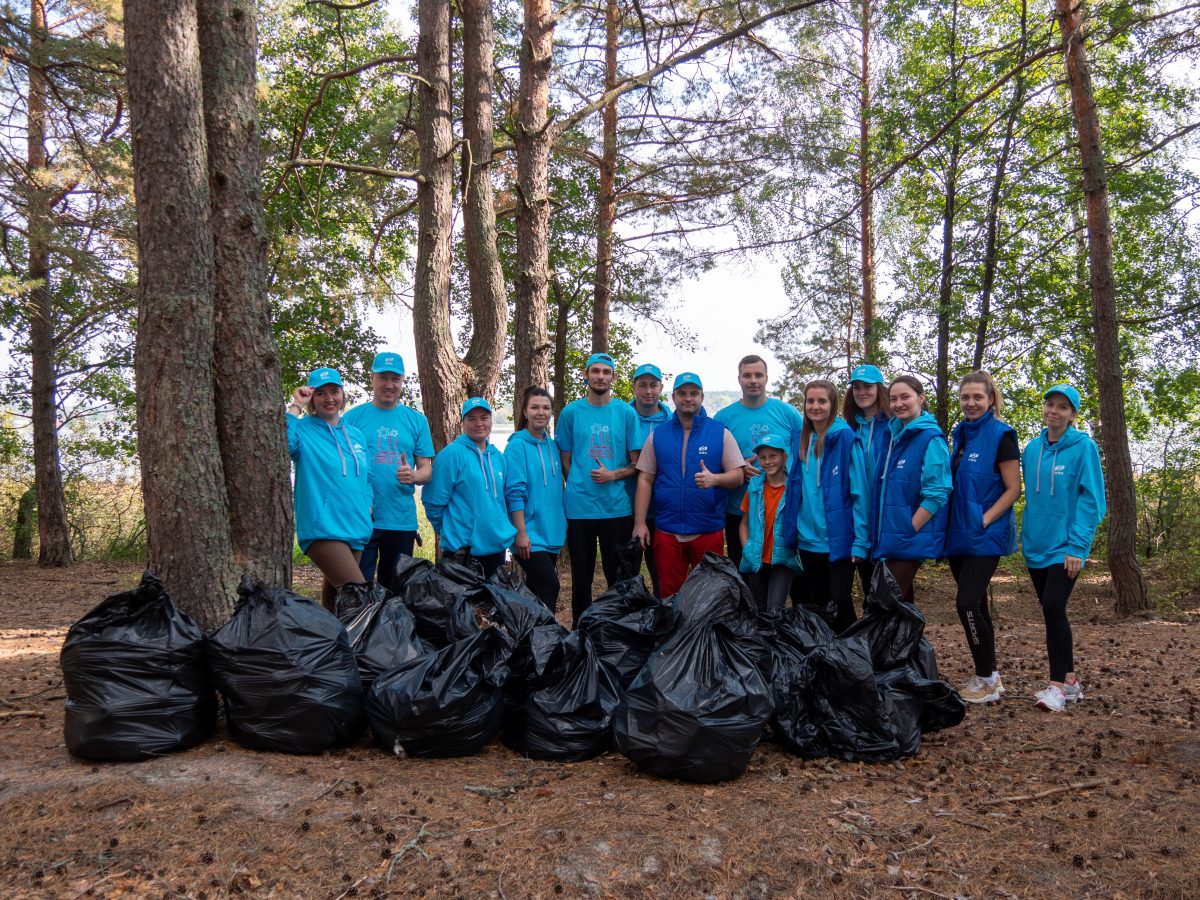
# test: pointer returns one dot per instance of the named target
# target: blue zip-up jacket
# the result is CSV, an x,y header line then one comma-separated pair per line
x,y
845,494
977,485
916,473
332,493
872,437
782,553
534,483
1064,498
683,508
464,499
646,426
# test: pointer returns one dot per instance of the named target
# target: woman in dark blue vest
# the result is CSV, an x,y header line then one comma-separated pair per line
x,y
866,411
914,487
986,467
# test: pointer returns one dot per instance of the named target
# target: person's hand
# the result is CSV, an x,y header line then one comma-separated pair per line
x,y
522,545
404,472
705,478
641,533
751,470
983,518
1073,565
301,396
601,475
915,526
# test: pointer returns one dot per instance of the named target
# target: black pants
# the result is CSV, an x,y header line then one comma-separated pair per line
x,y
905,573
541,575
865,570
648,556
973,574
582,537
830,588
733,538
1054,590
490,561
770,586
386,546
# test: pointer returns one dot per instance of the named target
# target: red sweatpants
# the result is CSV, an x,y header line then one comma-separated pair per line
x,y
675,559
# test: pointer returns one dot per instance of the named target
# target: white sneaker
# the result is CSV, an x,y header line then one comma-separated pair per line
x,y
978,690
1073,692
1051,698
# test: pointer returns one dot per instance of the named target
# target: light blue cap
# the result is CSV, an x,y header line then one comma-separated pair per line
x,y
778,441
603,359
687,378
388,362
647,369
475,403
1067,391
867,374
323,376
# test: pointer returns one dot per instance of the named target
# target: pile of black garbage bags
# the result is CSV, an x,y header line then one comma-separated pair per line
x,y
685,688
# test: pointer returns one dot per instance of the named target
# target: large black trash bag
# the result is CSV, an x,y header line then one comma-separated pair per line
x,y
353,597
136,678
567,714
287,673
845,703
383,636
696,710
449,702
407,568
438,597
517,614
797,632
892,627
624,624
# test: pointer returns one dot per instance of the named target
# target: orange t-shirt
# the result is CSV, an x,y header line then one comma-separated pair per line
x,y
772,493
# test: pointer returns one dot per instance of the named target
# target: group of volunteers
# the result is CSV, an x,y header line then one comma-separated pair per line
x,y
801,501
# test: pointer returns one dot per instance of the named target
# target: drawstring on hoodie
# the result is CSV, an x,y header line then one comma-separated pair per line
x,y
1053,466
486,470
341,455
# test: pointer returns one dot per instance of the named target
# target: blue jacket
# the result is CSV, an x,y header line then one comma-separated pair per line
x,y
683,508
873,438
782,553
332,492
534,483
464,499
916,473
845,493
977,485
1064,498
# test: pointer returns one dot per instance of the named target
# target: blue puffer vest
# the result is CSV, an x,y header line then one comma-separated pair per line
x,y
783,552
900,495
834,479
874,436
681,507
977,485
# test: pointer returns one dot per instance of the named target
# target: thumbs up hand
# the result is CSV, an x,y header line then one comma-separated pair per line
x,y
404,472
600,475
705,478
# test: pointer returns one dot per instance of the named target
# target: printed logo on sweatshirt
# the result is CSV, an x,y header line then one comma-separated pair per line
x,y
601,446
1060,469
758,431
387,447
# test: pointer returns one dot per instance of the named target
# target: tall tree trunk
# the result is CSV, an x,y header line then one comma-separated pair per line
x,y
23,525
946,280
1130,585
532,344
866,210
187,516
443,386
251,429
54,535
489,305
562,327
606,204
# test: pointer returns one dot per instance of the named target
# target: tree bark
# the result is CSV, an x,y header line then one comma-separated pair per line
x,y
187,516
562,327
533,138
23,525
443,384
250,424
54,536
946,281
1132,595
606,206
866,210
489,305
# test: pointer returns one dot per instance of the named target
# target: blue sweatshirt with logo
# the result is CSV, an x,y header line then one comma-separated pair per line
x,y
464,499
1064,498
332,492
534,483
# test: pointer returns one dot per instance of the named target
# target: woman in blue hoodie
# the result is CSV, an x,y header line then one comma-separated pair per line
x,y
865,409
464,499
914,487
533,492
1064,504
332,491
985,465
828,520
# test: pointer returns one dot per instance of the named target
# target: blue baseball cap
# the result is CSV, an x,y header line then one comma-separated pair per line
x,y
475,403
687,378
647,369
388,362
867,374
323,376
1067,391
777,441
603,359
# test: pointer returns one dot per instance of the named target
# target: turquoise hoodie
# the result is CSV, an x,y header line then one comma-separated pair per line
x,y
646,426
464,499
535,484
1064,498
332,491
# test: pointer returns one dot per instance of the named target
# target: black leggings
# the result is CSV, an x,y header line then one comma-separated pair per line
x,y
386,546
973,574
582,537
733,538
830,585
770,586
905,573
541,575
1054,590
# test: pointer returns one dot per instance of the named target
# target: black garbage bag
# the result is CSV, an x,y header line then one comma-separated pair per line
x,y
919,705
407,568
136,678
891,626
697,708
353,597
797,632
629,560
438,597
287,674
626,623
383,636
567,715
846,704
715,589
449,702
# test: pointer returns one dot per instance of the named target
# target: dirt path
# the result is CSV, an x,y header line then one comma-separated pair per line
x,y
1101,800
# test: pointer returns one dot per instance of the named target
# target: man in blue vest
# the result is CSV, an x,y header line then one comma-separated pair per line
x,y
689,495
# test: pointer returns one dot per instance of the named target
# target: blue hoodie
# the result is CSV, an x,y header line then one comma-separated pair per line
x,y
1064,498
872,438
464,499
535,484
333,482
916,473
646,426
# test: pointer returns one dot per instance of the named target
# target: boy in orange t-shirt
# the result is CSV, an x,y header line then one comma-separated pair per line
x,y
767,565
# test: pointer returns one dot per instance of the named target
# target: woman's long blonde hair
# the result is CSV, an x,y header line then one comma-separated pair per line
x,y
806,432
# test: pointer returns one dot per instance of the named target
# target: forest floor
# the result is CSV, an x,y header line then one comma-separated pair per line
x,y
1101,800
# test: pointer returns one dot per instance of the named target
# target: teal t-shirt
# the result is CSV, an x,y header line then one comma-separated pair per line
x,y
812,531
596,435
389,433
749,426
